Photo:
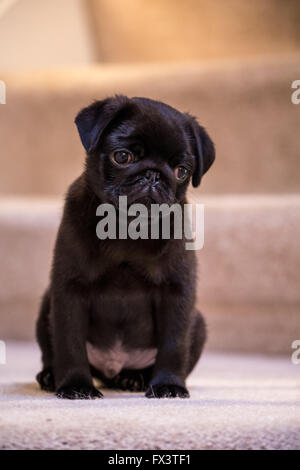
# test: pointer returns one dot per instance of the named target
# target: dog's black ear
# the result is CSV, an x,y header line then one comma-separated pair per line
x,y
204,149
93,120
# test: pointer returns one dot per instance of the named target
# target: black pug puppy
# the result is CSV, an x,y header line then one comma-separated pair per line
x,y
123,310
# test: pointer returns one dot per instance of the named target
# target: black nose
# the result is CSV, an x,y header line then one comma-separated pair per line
x,y
152,175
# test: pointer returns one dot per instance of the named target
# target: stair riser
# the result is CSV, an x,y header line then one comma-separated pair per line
x,y
248,283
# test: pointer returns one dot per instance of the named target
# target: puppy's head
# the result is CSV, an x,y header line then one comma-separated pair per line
x,y
142,149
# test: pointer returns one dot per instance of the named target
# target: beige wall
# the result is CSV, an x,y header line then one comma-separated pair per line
x,y
44,33
187,30
49,33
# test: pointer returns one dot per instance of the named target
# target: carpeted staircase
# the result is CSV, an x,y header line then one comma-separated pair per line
x,y
245,392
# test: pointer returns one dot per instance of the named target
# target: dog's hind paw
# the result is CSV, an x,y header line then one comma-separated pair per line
x,y
133,382
46,379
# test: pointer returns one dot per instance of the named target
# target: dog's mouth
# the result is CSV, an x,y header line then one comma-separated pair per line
x,y
141,190
148,195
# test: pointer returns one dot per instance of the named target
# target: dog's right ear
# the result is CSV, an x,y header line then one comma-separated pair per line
x,y
92,121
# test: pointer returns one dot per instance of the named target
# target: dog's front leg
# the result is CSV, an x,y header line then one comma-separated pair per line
x,y
170,369
72,375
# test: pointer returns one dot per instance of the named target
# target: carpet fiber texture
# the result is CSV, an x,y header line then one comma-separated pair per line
x,y
237,402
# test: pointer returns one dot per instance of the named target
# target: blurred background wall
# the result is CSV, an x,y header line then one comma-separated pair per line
x,y
168,30
36,34
229,63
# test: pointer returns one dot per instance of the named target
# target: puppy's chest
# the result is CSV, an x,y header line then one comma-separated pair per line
x,y
129,275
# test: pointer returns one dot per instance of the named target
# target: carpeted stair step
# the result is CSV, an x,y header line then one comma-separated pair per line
x,y
248,287
237,401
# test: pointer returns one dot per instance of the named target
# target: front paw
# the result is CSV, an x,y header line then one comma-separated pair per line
x,y
162,390
78,392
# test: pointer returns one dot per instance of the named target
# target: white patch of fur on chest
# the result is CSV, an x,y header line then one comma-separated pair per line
x,y
112,361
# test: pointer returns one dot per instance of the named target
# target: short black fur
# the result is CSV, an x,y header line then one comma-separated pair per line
x,y
141,292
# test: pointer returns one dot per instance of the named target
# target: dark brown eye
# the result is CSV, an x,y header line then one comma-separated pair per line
x,y
181,173
122,157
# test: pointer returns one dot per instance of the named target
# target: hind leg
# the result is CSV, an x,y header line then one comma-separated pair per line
x,y
198,335
45,377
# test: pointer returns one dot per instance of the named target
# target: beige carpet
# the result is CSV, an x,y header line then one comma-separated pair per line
x,y
237,402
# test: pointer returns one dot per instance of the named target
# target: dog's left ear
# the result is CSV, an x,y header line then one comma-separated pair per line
x,y
93,120
204,149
